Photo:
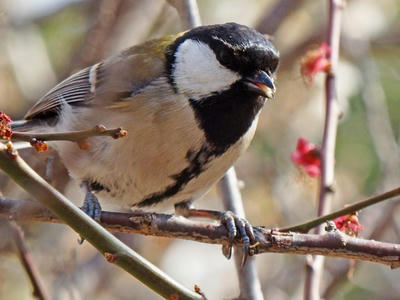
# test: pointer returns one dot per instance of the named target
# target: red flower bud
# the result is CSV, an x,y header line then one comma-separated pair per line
x,y
5,128
315,61
349,224
307,156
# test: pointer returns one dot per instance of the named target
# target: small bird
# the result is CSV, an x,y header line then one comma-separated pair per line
x,y
190,103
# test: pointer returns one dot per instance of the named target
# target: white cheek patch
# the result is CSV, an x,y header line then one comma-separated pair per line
x,y
197,71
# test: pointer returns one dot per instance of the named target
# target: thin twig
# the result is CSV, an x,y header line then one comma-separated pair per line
x,y
96,39
314,270
305,227
250,286
335,243
27,262
274,17
113,250
73,136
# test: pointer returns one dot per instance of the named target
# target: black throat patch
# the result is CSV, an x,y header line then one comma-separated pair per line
x,y
227,116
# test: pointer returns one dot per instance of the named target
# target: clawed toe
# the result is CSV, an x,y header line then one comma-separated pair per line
x,y
238,228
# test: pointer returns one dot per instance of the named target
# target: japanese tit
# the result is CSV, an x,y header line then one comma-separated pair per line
x,y
190,103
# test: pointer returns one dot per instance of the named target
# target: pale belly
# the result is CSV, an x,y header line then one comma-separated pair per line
x,y
164,159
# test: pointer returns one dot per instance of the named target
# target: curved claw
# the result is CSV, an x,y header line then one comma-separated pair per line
x,y
240,228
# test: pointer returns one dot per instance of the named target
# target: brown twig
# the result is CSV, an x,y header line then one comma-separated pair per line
x,y
274,17
335,243
305,227
315,268
73,136
27,262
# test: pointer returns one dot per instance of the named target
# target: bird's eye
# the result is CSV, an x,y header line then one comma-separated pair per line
x,y
225,57
271,66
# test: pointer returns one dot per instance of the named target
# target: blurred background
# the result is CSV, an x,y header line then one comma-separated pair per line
x,y
43,41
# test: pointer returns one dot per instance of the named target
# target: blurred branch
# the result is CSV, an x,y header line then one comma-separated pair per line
x,y
27,262
305,227
113,250
384,143
108,14
274,17
188,12
334,243
250,286
314,270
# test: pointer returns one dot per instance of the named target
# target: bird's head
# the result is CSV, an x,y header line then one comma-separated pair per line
x,y
209,60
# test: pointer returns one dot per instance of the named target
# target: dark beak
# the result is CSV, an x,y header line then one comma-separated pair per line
x,y
261,83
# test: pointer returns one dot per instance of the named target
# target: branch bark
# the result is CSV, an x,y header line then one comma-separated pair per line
x,y
27,262
334,243
72,136
314,269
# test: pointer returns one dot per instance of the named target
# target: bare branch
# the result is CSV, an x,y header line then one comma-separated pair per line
x,y
27,262
335,243
332,114
250,286
305,227
73,136
270,22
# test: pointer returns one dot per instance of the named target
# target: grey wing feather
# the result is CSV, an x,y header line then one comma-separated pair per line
x,y
111,80
75,88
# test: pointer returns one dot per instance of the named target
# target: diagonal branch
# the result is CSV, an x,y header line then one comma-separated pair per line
x,y
112,249
305,227
27,262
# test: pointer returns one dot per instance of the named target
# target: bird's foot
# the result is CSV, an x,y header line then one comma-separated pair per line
x,y
91,206
238,228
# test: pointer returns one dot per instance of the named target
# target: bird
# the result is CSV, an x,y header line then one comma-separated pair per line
x,y
190,104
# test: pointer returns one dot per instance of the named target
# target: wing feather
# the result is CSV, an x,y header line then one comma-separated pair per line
x,y
75,88
106,82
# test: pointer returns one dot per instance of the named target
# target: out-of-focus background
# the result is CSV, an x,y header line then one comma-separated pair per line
x,y
43,41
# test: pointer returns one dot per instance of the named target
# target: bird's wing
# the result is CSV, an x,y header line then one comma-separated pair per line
x,y
106,82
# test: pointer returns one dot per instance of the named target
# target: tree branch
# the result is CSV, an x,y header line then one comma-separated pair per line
x,y
335,243
274,17
72,136
305,227
332,114
27,262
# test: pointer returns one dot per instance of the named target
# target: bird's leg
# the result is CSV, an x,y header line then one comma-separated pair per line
x,y
91,205
237,227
